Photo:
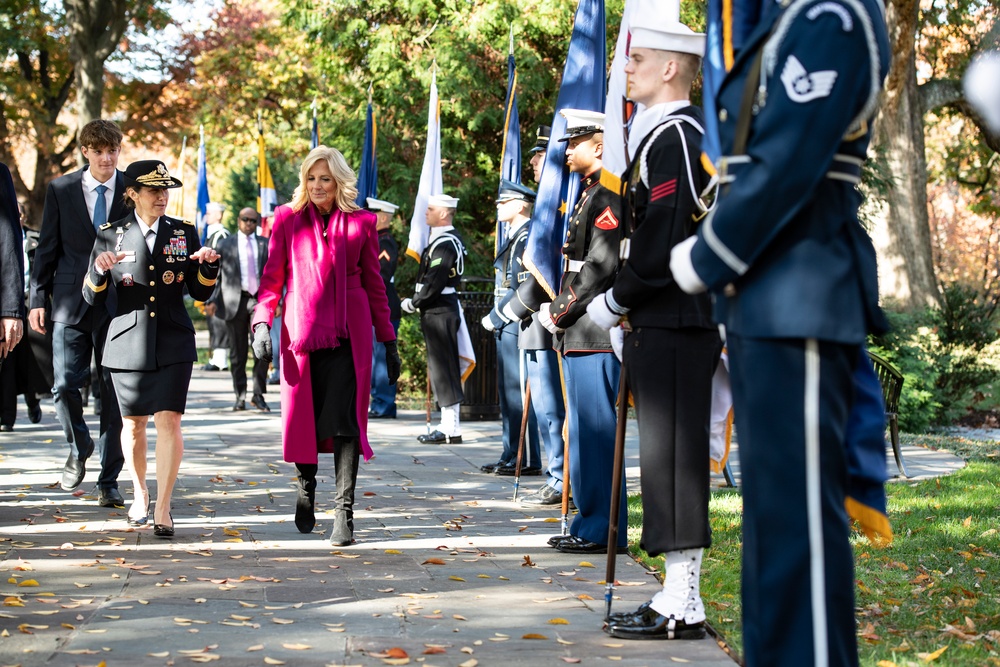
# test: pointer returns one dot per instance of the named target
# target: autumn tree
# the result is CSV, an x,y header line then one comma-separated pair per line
x,y
939,36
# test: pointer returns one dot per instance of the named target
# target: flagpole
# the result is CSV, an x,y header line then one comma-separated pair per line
x,y
179,205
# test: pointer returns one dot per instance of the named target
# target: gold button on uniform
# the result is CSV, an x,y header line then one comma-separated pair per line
x,y
723,115
152,283
152,314
152,268
152,298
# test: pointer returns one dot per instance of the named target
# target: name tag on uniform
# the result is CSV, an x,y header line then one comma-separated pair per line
x,y
129,256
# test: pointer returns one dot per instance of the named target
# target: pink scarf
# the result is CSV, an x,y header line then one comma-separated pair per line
x,y
320,288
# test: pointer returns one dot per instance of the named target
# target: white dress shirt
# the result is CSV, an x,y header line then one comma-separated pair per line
x,y
144,227
90,193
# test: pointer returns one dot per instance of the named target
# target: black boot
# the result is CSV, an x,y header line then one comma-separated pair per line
x,y
305,503
346,456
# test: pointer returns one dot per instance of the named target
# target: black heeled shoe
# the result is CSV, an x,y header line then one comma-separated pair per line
x,y
163,530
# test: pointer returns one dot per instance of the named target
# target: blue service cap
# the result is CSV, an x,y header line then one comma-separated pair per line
x,y
541,138
511,190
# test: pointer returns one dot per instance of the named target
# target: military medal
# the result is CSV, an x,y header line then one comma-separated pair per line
x,y
127,280
180,277
168,277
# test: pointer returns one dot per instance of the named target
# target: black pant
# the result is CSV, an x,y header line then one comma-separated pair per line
x,y
239,338
72,348
440,328
670,374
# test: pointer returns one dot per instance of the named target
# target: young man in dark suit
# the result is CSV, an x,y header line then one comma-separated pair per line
x,y
75,206
243,258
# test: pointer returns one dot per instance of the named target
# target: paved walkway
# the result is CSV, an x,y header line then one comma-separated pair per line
x,y
446,569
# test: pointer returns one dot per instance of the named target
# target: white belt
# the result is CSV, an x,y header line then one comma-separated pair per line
x,y
418,287
573,265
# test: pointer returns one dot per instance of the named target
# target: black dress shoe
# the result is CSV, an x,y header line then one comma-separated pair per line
x,y
209,366
439,438
73,473
259,403
35,413
163,530
510,470
556,540
239,405
651,624
6,428
110,497
546,496
626,615
492,467
388,414
578,545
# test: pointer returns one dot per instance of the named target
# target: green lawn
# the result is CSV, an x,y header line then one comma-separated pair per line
x,y
932,597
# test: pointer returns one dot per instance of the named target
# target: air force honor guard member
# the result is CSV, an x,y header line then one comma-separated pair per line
x,y
439,275
150,351
673,346
383,401
514,210
591,369
796,287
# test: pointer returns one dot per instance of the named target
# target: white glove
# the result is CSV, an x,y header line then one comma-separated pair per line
x,y
617,341
406,305
508,312
546,319
488,323
600,314
683,269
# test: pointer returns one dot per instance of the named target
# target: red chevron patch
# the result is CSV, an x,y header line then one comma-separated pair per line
x,y
606,220
663,190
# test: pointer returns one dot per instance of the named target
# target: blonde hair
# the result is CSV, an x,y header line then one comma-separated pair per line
x,y
343,175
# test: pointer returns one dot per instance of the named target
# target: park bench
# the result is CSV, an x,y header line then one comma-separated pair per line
x,y
892,386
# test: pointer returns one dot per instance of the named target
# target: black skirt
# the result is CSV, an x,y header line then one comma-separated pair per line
x,y
334,389
144,393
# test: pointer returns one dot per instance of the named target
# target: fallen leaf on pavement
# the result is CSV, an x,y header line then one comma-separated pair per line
x,y
533,635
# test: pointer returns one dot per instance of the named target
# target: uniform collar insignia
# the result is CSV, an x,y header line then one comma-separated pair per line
x,y
591,179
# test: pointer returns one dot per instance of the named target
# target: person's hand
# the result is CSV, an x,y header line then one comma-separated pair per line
x,y
36,320
11,331
205,255
393,365
545,318
210,309
262,342
106,260
406,305
487,322
682,267
617,341
601,314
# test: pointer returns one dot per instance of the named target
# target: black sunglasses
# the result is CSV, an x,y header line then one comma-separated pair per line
x,y
246,219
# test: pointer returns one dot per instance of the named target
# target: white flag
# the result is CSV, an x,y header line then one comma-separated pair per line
x,y
618,110
431,182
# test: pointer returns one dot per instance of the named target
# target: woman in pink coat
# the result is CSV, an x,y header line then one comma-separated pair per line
x,y
324,252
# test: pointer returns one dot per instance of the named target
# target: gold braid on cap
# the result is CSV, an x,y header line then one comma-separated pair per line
x,y
158,178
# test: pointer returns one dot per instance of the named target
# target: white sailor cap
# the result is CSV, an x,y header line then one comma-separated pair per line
x,y
662,30
442,200
580,122
383,206
214,206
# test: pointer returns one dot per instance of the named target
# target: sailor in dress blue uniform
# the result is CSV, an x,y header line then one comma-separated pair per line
x,y
794,277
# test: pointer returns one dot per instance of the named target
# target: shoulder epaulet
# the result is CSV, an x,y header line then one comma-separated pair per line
x,y
106,225
188,222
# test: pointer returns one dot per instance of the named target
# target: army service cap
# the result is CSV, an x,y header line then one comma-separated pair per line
x,y
151,174
542,138
580,122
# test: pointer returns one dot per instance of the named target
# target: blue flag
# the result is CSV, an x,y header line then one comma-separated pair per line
x,y
368,173
583,87
510,154
203,198
314,140
730,23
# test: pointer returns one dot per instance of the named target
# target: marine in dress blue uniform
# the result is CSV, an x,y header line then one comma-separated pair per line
x,y
591,370
511,369
383,396
794,276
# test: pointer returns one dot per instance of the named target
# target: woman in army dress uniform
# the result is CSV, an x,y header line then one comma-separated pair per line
x,y
148,259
